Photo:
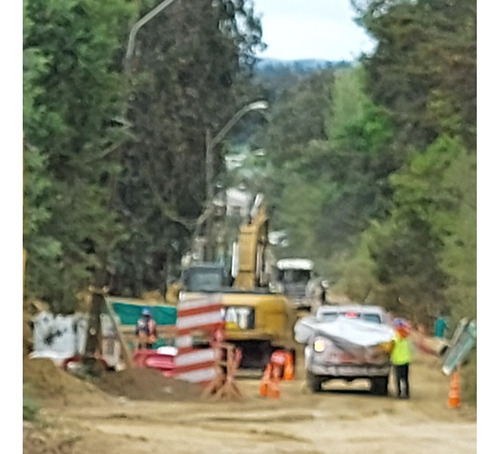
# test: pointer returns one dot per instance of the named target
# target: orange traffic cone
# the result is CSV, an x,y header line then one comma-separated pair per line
x,y
288,373
264,383
454,395
273,390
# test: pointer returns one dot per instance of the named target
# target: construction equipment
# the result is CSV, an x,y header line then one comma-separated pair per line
x,y
301,284
258,319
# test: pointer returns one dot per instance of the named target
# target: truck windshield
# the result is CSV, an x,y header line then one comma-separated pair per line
x,y
294,276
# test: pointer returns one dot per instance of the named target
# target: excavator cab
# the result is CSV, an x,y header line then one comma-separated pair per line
x,y
205,277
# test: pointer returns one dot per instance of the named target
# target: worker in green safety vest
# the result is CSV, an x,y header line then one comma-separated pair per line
x,y
401,356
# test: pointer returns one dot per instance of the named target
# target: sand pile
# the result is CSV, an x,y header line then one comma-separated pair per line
x,y
50,384
147,384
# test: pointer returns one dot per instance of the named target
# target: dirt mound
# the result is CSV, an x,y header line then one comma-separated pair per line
x,y
50,384
147,384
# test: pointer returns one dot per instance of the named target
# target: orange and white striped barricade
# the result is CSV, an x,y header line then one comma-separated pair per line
x,y
198,314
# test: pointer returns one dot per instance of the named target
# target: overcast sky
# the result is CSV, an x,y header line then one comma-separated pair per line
x,y
320,29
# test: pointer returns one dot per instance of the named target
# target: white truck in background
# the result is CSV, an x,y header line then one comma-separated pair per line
x,y
300,283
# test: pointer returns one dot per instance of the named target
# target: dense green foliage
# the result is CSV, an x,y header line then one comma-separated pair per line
x,y
188,75
114,153
423,73
72,93
381,191
30,407
333,168
379,184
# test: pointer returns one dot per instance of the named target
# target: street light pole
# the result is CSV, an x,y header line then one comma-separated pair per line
x,y
126,69
210,144
133,32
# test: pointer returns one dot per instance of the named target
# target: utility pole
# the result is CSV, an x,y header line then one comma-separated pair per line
x,y
133,31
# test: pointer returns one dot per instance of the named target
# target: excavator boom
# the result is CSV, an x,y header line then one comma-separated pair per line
x,y
252,250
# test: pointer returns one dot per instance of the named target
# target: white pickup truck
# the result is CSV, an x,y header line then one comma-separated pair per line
x,y
346,342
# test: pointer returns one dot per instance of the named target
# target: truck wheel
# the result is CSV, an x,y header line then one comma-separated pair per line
x,y
313,382
379,386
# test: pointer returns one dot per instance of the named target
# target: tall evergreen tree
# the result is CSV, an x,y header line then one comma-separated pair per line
x,y
189,76
424,66
73,92
423,73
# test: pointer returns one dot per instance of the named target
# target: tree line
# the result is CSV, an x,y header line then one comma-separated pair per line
x,y
114,150
376,164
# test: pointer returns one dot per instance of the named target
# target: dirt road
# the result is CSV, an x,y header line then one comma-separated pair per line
x,y
343,419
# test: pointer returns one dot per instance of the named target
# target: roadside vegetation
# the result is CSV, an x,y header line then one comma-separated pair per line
x,y
30,406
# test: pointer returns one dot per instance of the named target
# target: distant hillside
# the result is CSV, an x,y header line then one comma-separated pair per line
x,y
276,76
300,66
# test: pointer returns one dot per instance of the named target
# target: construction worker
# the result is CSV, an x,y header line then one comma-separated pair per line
x,y
440,327
401,356
146,330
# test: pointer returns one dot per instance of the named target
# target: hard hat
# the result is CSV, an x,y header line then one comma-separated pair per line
x,y
146,311
399,322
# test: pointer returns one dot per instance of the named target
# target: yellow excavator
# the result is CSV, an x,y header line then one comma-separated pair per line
x,y
259,318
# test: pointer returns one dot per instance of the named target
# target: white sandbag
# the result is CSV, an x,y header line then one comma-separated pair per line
x,y
58,336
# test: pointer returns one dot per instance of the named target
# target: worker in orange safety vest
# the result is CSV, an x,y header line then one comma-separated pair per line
x,y
146,330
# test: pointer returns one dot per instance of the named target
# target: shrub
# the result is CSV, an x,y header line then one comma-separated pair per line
x,y
30,407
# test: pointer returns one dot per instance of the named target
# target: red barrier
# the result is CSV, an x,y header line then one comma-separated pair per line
x,y
165,363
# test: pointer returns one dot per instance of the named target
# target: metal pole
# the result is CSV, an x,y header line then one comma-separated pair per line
x,y
257,105
211,143
209,163
209,171
137,26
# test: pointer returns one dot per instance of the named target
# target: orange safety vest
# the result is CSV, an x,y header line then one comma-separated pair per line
x,y
146,331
